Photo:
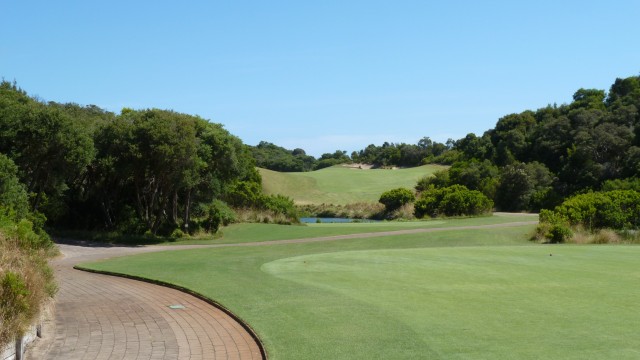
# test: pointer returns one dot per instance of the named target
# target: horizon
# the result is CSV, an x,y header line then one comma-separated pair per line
x,y
322,77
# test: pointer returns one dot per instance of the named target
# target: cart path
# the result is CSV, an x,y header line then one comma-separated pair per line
x,y
108,317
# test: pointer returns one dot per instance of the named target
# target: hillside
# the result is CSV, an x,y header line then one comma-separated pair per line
x,y
341,185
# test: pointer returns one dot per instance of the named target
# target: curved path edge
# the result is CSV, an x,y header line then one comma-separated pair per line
x,y
185,290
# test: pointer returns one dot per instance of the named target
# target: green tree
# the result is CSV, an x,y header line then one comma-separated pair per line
x,y
13,196
524,187
49,148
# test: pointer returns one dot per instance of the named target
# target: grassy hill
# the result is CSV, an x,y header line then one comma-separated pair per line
x,y
340,184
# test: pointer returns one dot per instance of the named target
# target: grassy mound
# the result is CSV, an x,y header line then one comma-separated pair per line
x,y
341,185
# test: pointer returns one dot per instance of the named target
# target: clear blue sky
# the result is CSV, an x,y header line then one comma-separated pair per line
x,y
321,75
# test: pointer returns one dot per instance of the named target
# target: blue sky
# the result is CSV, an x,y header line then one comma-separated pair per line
x,y
321,75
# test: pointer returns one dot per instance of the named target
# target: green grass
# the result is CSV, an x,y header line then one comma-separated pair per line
x,y
341,185
297,321
478,294
256,232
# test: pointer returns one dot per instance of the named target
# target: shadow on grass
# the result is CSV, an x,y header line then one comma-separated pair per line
x,y
106,239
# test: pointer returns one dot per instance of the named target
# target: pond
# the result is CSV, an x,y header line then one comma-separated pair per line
x,y
313,220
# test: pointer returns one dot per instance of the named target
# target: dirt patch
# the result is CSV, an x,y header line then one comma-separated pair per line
x,y
358,166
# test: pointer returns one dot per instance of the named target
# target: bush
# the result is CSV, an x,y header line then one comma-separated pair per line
x,y
177,234
454,200
553,228
217,213
618,209
394,199
280,204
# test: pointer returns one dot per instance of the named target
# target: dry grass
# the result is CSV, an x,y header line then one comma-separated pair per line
x,y
26,282
405,212
263,216
583,236
359,210
602,236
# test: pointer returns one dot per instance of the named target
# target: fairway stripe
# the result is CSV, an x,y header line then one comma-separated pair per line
x,y
373,234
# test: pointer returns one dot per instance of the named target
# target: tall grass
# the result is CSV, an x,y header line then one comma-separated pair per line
x,y
26,281
359,210
581,235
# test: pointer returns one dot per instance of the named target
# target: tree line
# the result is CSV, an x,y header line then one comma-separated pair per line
x,y
535,159
532,159
273,157
277,158
141,170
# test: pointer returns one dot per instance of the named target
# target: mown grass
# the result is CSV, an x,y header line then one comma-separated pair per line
x,y
255,232
341,185
481,294
294,320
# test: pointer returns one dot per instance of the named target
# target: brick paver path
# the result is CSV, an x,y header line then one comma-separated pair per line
x,y
108,317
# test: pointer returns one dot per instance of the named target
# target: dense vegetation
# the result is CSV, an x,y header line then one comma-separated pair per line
x,y
25,279
531,160
455,200
139,171
273,157
534,159
590,213
405,155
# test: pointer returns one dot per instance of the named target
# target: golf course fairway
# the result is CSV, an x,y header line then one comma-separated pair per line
x,y
461,294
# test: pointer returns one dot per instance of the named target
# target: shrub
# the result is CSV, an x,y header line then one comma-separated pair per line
x,y
177,234
618,209
280,204
394,199
455,200
217,213
553,227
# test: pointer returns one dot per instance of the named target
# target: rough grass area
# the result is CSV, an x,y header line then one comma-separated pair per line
x,y
341,185
26,282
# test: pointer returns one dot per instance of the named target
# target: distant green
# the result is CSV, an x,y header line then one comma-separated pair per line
x,y
341,185
477,294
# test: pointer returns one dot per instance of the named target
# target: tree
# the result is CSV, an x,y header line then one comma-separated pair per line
x,y
524,187
475,175
13,196
49,148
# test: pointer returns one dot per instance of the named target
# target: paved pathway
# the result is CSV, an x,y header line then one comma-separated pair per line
x,y
107,317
